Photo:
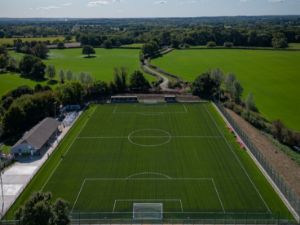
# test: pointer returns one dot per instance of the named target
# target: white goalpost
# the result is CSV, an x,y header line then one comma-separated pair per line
x,y
147,211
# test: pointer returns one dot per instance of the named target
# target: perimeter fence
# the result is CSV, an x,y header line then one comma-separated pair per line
x,y
288,193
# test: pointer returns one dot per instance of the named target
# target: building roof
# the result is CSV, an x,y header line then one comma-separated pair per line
x,y
38,136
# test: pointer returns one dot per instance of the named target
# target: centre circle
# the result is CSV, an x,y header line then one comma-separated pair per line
x,y
149,137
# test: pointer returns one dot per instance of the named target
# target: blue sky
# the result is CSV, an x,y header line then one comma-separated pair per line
x,y
145,8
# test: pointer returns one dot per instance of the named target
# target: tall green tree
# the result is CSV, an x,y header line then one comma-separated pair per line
x,y
205,87
138,82
279,41
237,91
32,67
40,50
88,50
51,72
62,76
250,103
39,209
120,80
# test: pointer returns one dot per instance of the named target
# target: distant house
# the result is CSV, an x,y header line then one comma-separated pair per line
x,y
38,138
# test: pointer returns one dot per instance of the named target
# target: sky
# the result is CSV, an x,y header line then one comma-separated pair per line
x,y
145,8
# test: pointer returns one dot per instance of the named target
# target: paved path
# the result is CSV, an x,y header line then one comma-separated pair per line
x,y
16,177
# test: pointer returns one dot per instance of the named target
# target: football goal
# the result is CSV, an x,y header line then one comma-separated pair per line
x,y
147,211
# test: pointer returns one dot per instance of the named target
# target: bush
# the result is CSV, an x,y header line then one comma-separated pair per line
x,y
211,44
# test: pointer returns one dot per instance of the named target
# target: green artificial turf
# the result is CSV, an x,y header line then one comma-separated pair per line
x,y
272,76
181,155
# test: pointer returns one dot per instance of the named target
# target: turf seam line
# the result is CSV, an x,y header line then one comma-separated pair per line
x,y
236,157
67,150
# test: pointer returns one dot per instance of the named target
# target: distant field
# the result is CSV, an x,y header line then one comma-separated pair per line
x,y
137,45
101,67
9,81
10,41
180,155
273,76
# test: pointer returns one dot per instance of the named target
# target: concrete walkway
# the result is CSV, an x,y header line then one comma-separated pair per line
x,y
16,177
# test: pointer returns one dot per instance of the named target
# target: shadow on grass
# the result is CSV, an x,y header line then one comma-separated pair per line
x,y
52,82
89,57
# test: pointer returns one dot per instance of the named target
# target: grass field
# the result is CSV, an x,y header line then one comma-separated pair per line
x,y
101,67
180,155
9,81
271,75
10,41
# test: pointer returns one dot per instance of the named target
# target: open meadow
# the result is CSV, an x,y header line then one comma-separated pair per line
x,y
180,155
101,67
272,76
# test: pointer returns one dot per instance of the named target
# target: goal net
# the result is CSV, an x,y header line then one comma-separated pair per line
x,y
147,211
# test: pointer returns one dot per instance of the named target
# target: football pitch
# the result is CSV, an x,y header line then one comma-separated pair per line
x,y
179,155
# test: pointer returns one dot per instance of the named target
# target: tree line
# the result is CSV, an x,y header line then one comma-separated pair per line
x,y
215,85
23,107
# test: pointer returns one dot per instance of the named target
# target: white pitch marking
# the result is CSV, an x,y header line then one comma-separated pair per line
x,y
67,151
237,158
215,187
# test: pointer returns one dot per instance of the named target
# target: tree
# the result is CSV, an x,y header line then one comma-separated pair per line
x,y
13,65
138,82
51,72
40,210
60,210
150,49
27,110
120,80
279,41
229,80
218,76
3,62
40,50
3,50
71,93
32,67
61,76
88,50
69,75
250,103
97,90
107,44
237,91
205,87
